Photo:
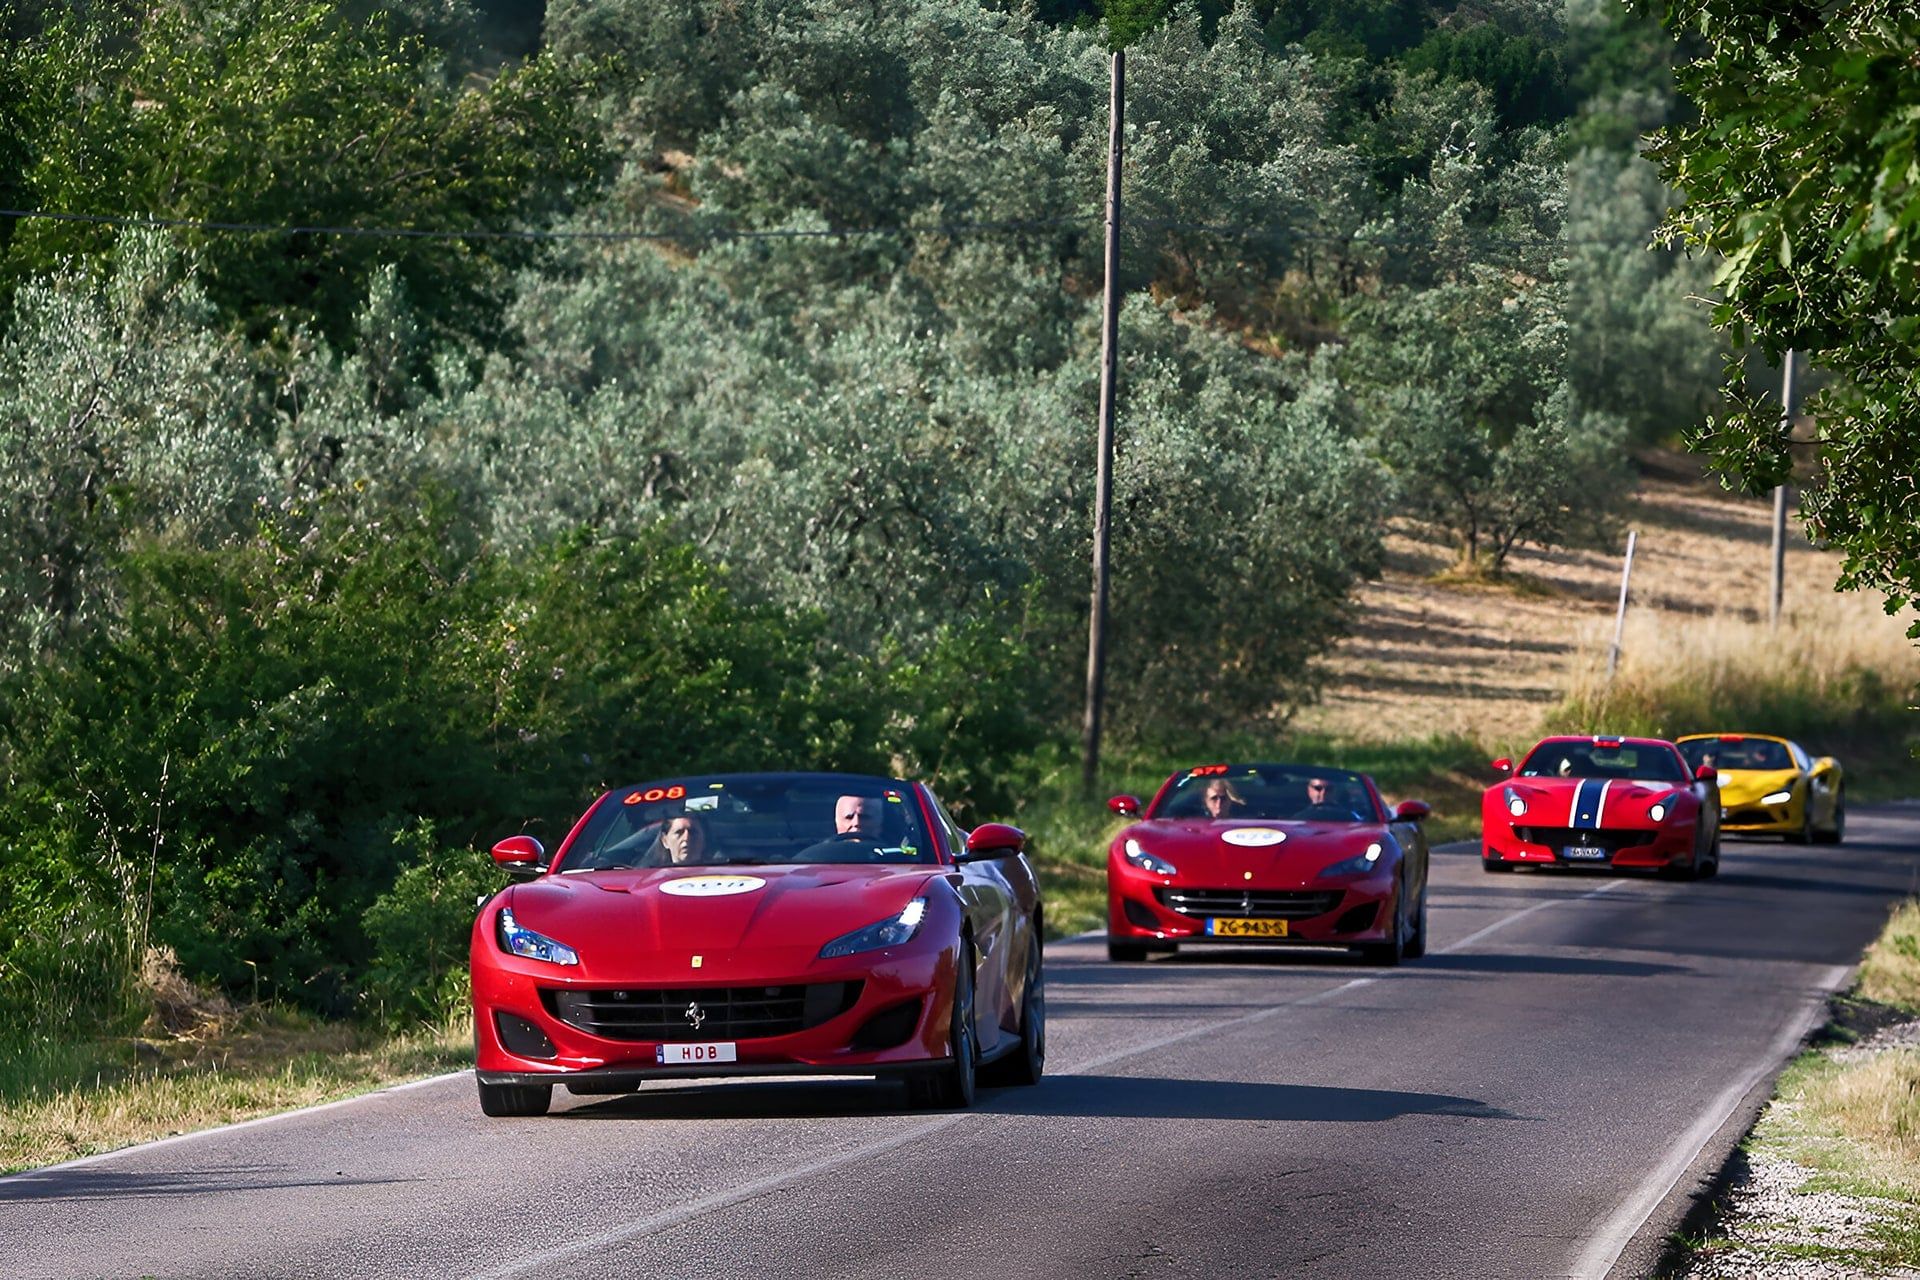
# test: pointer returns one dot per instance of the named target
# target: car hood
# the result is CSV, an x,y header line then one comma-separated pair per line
x,y
1746,786
1584,802
621,921
1276,852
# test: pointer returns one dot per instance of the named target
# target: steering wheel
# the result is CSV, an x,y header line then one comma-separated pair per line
x,y
1326,813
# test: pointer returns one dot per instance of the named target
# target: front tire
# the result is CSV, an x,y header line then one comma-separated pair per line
x,y
1839,829
1028,1063
1389,953
515,1099
1417,941
952,1087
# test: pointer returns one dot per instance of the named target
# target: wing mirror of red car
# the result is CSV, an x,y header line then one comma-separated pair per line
x,y
1412,811
992,840
1125,806
1503,766
1706,773
522,857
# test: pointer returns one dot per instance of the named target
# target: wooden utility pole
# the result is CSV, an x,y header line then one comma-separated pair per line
x,y
1620,614
1103,473
1780,503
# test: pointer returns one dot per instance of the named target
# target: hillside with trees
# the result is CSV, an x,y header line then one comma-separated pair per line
x,y
416,417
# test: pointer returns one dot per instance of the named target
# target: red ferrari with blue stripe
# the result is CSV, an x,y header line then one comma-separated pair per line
x,y
1614,802
760,924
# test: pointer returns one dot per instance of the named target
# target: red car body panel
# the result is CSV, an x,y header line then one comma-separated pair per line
x,y
1216,876
1600,820
641,943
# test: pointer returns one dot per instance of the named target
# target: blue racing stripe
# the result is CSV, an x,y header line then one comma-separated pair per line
x,y
1586,803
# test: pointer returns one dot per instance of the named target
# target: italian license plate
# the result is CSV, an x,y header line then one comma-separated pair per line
x,y
682,1055
1238,927
1583,853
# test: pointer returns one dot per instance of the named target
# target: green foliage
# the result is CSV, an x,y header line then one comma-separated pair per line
x,y
1485,440
1799,172
417,931
283,114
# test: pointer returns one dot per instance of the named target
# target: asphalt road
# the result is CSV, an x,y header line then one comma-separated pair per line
x,y
1538,1097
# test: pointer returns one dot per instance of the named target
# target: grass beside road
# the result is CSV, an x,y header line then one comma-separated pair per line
x,y
1840,681
1842,1135
266,1061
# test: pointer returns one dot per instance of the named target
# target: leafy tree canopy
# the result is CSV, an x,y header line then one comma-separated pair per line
x,y
283,113
1800,173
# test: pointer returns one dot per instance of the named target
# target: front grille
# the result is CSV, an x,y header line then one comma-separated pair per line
x,y
1259,904
1751,817
701,1013
1612,839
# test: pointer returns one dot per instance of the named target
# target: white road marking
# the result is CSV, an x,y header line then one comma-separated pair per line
x,y
1605,1246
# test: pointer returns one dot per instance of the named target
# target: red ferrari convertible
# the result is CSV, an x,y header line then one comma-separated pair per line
x,y
760,924
1272,854
1620,802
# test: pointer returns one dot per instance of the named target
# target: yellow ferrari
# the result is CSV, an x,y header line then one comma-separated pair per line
x,y
1771,786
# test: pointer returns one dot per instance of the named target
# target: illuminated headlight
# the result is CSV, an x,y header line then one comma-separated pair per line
x,y
887,933
519,941
1359,865
1146,861
1515,805
1778,797
1658,812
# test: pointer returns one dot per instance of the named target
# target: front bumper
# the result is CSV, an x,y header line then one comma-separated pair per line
x,y
899,1021
1649,848
1336,913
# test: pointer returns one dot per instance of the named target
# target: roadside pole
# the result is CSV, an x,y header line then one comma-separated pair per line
x,y
1620,614
1103,475
1778,588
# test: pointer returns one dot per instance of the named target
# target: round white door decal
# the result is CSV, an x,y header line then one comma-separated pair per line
x,y
1253,837
711,886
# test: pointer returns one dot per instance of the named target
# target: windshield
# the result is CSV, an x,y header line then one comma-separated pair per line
x,y
1300,792
1737,753
1641,762
745,820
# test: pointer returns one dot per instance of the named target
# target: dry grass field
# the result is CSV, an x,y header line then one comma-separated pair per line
x,y
1500,661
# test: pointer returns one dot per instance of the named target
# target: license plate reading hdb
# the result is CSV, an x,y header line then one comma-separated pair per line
x,y
1237,927
1583,853
680,1055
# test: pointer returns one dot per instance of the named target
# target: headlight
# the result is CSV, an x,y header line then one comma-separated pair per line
x,y
1658,812
1515,805
888,933
1145,861
1358,865
534,946
1778,797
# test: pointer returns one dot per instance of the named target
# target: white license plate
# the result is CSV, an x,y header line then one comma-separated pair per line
x,y
682,1055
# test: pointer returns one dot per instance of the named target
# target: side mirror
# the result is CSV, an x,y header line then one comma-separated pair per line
x,y
522,857
1412,811
1706,773
1503,766
993,840
1125,806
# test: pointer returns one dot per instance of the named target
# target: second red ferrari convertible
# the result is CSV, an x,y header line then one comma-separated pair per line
x,y
1271,854
760,924
1616,802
